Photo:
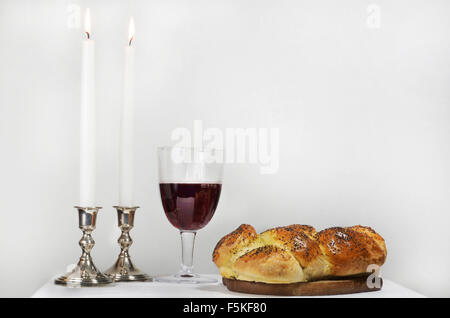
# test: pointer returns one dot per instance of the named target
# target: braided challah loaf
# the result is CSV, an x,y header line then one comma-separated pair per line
x,y
297,253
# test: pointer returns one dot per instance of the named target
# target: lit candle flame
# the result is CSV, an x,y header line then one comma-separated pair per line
x,y
87,23
131,30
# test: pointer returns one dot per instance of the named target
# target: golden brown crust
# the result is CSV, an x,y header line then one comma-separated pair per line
x,y
244,234
349,251
298,239
374,235
231,246
298,253
268,264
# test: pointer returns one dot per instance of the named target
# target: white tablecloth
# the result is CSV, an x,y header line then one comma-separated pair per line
x,y
154,289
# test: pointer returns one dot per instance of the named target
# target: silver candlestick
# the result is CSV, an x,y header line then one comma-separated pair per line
x,y
124,270
85,274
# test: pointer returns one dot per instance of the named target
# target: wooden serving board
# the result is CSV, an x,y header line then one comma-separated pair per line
x,y
317,288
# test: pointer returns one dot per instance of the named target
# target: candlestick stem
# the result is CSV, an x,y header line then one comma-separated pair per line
x,y
124,270
85,274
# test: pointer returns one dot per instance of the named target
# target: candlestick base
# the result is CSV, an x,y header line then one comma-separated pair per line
x,y
124,270
85,274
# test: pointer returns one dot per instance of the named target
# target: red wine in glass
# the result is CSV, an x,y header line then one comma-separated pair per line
x,y
190,182
190,206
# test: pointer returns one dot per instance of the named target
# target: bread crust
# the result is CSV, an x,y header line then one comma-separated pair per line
x,y
297,252
349,251
374,235
298,239
268,264
233,245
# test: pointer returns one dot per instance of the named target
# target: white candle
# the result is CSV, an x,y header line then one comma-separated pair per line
x,y
126,160
87,121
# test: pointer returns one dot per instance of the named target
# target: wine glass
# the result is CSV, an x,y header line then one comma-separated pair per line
x,y
190,182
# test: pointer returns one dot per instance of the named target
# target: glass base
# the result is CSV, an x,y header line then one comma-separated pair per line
x,y
186,279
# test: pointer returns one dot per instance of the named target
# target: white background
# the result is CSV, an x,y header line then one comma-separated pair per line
x,y
363,115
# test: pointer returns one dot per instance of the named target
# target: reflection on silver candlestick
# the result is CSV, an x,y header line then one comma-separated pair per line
x,y
85,274
124,270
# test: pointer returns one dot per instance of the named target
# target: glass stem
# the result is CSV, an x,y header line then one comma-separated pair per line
x,y
187,253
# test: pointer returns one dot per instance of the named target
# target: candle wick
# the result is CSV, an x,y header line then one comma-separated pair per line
x,y
131,40
88,35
